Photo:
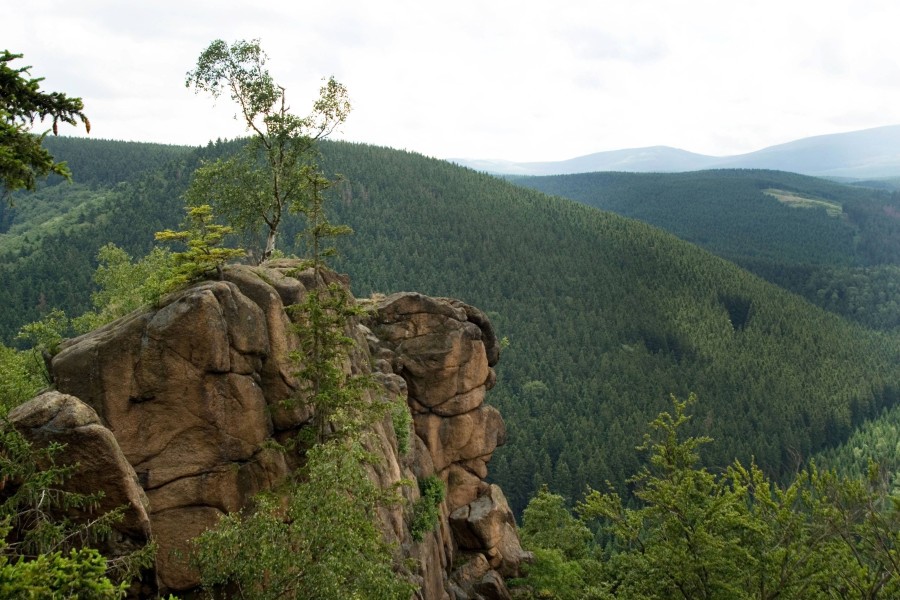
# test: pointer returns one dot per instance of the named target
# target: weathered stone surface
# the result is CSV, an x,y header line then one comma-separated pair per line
x,y
55,417
463,487
492,587
476,579
487,524
472,570
477,316
194,390
462,437
272,291
178,527
461,403
188,392
439,352
444,349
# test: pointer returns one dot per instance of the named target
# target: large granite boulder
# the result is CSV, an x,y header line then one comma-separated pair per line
x,y
98,464
192,391
196,390
444,350
445,359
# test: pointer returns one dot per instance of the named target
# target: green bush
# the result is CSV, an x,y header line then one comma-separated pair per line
x,y
426,510
78,574
402,419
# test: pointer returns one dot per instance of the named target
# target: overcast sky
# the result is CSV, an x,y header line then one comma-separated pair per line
x,y
517,80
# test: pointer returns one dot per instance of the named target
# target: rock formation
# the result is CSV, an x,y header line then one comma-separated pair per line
x,y
190,392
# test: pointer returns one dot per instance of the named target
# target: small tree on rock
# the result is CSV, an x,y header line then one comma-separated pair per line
x,y
204,253
259,185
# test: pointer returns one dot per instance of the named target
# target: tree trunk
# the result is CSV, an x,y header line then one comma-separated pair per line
x,y
270,246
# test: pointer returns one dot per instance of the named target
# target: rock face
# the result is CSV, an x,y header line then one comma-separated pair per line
x,y
444,350
99,464
191,392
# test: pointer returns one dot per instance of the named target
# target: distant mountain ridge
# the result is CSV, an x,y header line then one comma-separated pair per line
x,y
864,154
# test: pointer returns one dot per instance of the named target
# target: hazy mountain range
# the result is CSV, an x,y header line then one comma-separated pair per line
x,y
866,154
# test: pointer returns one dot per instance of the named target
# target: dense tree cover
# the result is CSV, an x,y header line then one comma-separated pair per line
x,y
23,160
867,295
605,316
728,211
101,162
691,532
49,261
734,214
878,224
96,164
876,440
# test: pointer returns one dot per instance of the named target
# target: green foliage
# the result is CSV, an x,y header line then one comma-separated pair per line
x,y
692,533
204,255
426,511
21,376
46,334
564,567
106,163
43,337
686,537
337,398
22,158
867,295
875,441
548,524
125,286
48,258
313,239
39,524
34,504
733,212
322,544
554,577
609,314
259,186
846,265
78,574
401,419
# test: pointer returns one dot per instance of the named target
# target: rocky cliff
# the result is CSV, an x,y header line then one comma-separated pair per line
x,y
169,412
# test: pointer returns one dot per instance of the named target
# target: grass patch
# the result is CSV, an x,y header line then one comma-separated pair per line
x,y
833,209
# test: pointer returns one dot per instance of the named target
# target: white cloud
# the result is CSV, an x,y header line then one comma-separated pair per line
x,y
515,80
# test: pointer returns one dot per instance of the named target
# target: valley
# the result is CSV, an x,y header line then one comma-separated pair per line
x,y
605,316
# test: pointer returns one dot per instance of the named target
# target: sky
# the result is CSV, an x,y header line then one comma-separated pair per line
x,y
515,80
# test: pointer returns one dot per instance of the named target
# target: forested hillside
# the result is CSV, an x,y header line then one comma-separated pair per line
x,y
838,246
121,192
605,316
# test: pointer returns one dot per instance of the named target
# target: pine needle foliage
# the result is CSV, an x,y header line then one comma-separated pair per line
x,y
204,254
37,523
23,159
693,533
